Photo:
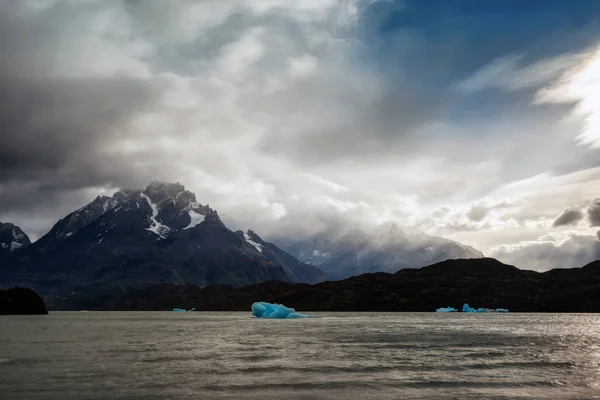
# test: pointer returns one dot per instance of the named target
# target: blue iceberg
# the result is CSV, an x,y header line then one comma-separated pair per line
x,y
446,309
263,309
466,308
183,309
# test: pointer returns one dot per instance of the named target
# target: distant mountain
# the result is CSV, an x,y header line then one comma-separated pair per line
x,y
357,252
138,238
12,238
482,282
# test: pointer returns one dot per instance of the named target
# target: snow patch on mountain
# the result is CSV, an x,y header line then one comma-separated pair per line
x,y
195,219
12,237
258,246
155,226
317,257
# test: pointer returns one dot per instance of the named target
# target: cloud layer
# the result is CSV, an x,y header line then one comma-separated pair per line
x,y
299,117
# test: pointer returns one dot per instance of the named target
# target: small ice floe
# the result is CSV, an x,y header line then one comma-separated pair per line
x,y
263,309
446,309
468,309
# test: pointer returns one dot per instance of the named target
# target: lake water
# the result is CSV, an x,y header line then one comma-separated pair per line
x,y
165,355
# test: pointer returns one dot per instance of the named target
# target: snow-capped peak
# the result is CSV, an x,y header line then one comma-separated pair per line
x,y
12,237
161,208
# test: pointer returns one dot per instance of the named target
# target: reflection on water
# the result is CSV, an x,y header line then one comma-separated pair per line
x,y
100,355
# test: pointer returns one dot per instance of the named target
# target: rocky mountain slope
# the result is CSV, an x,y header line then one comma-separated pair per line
x,y
357,252
12,238
480,282
138,238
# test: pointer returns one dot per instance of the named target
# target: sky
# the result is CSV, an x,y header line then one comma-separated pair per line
x,y
478,121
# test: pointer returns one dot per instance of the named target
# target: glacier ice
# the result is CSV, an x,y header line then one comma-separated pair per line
x,y
446,309
262,309
176,309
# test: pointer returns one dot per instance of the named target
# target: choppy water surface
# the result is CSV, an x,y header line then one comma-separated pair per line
x,y
122,355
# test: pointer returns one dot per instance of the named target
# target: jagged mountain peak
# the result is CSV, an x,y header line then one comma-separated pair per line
x,y
160,191
12,238
252,239
353,235
157,211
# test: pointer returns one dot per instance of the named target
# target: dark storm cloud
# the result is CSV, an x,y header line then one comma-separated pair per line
x,y
568,217
57,133
60,110
594,213
57,126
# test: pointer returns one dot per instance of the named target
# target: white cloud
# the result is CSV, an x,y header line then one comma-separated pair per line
x,y
237,57
568,249
580,84
568,78
301,66
507,73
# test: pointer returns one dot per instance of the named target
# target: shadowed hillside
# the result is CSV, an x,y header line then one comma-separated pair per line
x,y
481,282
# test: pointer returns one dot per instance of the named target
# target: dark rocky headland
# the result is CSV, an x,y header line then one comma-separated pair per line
x,y
21,301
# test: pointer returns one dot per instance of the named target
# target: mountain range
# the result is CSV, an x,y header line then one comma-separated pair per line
x,y
357,252
138,238
161,234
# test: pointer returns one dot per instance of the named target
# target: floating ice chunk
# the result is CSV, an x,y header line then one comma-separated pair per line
x,y
466,308
446,309
262,309
183,309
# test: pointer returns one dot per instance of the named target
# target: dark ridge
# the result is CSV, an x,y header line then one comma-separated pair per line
x,y
482,282
473,267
